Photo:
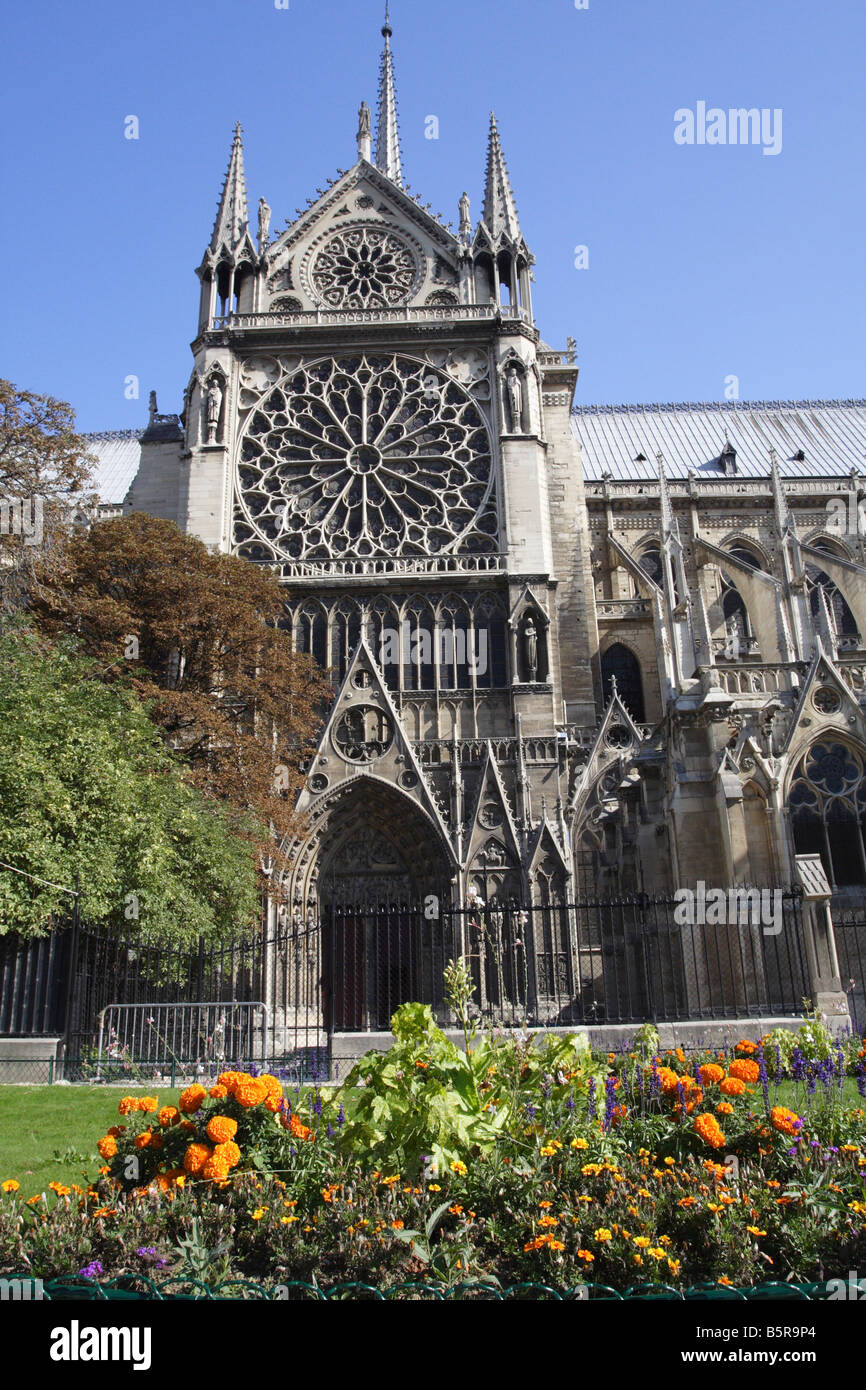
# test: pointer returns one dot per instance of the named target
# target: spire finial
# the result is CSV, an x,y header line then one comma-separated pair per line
x,y
232,217
500,210
387,133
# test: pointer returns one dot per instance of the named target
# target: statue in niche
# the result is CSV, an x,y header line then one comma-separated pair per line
x,y
465,219
213,407
515,400
364,127
530,645
264,222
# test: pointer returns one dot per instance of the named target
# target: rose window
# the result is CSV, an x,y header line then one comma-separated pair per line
x,y
364,268
365,456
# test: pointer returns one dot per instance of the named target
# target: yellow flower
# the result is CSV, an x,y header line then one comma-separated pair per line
x,y
580,1143
259,1213
586,1255
458,1167
656,1252
433,1187
548,1151
603,1234
755,1231
591,1170
10,1185
287,1220
642,1241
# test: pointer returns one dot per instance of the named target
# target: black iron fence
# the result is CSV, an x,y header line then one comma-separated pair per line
x,y
850,931
123,1003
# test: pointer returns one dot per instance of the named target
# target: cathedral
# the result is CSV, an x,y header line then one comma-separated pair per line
x,y
578,652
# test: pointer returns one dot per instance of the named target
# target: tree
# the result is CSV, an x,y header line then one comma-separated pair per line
x,y
44,472
198,637
88,788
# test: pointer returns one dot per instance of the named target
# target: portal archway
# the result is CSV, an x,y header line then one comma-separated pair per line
x,y
373,862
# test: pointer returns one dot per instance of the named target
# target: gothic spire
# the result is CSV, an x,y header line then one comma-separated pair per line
x,y
387,133
500,210
232,214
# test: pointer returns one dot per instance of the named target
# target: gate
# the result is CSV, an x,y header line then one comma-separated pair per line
x,y
850,929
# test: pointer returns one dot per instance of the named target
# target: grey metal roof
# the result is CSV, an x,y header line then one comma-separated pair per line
x,y
118,453
831,435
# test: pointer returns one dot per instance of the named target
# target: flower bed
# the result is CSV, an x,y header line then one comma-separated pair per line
x,y
504,1161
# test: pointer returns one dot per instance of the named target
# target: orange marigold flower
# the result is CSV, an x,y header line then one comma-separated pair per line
x,y
228,1153
711,1074
188,1126
107,1147
272,1084
116,1131
250,1092
196,1157
299,1130
746,1047
273,1103
191,1099
785,1120
218,1092
10,1185
142,1140
724,1108
214,1169
744,1070
732,1086
220,1129
148,1104
168,1115
707,1126
128,1105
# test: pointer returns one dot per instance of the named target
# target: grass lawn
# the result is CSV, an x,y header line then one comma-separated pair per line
x,y
49,1133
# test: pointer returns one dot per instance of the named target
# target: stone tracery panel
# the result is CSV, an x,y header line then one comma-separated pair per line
x,y
365,455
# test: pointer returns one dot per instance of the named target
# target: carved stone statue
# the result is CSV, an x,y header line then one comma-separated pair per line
x,y
515,400
264,222
530,643
465,219
570,348
365,135
151,402
213,406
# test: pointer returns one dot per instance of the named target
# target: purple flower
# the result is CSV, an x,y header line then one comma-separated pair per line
x,y
591,1107
341,1118
91,1271
609,1101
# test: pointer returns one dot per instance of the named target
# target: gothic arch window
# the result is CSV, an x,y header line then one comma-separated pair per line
x,y
418,634
622,664
490,643
738,628
842,618
345,635
454,673
650,561
312,632
827,806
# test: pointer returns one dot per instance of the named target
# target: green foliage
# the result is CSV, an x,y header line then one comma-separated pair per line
x,y
427,1101
88,789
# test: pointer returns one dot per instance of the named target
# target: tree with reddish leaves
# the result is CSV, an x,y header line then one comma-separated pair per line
x,y
200,637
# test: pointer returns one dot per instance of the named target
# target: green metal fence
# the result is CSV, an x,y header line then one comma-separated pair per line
x,y
138,1288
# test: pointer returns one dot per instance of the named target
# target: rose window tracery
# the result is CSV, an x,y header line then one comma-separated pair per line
x,y
365,455
364,268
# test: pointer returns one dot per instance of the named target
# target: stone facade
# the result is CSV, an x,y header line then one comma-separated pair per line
x,y
665,603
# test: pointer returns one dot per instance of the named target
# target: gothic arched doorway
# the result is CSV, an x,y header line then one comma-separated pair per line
x,y
379,860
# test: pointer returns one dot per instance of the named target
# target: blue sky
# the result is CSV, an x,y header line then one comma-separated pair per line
x,y
705,261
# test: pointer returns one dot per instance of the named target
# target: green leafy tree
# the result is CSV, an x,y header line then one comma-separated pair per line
x,y
88,788
45,472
